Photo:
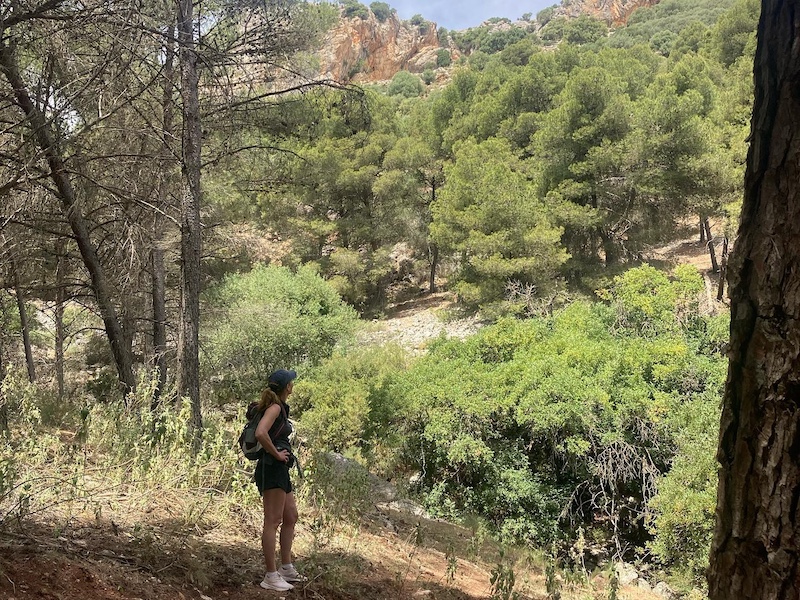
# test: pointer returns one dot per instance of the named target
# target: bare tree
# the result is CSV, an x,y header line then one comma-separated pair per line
x,y
757,538
189,356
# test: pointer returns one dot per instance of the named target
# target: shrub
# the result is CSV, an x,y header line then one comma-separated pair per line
x,y
570,415
405,84
544,16
353,8
443,58
266,319
381,10
345,406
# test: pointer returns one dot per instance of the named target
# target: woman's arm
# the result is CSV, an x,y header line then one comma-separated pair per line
x,y
262,433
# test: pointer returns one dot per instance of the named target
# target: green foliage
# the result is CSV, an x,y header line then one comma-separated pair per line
x,y
584,30
417,20
405,84
489,215
544,16
488,39
683,18
360,278
381,10
650,303
267,319
354,8
574,414
345,406
735,30
428,76
443,58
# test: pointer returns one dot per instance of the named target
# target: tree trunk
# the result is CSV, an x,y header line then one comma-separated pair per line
x,y
190,220
702,229
756,543
710,242
723,269
59,315
157,254
434,264
3,406
609,246
24,323
66,194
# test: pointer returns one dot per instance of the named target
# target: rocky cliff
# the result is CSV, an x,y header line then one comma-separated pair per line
x,y
613,12
366,50
369,50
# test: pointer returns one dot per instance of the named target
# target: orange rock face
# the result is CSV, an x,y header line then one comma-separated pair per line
x,y
368,50
613,12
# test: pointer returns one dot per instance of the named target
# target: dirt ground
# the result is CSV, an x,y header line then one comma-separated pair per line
x,y
93,561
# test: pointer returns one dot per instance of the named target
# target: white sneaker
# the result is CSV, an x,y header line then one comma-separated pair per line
x,y
289,573
273,581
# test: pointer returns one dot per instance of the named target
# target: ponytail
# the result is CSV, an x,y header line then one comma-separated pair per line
x,y
268,398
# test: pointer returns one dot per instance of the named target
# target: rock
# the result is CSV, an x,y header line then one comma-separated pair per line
x,y
626,574
613,12
405,506
644,585
663,590
368,50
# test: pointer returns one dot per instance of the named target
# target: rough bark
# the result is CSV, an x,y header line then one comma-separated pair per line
x,y
757,538
66,194
190,219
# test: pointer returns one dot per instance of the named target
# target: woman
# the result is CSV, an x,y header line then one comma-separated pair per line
x,y
272,479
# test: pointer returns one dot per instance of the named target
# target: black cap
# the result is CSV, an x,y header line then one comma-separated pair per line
x,y
281,378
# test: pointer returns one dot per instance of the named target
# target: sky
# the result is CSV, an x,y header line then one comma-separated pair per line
x,y
461,14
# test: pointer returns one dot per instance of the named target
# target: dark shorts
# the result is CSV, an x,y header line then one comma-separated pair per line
x,y
272,476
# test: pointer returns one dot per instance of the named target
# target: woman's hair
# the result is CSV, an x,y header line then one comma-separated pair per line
x,y
268,397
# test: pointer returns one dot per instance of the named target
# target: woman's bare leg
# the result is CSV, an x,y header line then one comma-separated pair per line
x,y
287,528
274,501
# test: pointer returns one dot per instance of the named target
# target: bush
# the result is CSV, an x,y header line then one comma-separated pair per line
x,y
567,415
381,10
345,407
428,76
443,58
405,84
353,8
266,319
544,16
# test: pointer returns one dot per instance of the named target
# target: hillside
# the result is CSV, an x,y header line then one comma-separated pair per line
x,y
365,47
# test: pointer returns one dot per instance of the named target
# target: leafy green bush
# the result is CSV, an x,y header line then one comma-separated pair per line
x,y
443,58
345,405
353,8
381,10
405,84
546,424
265,319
